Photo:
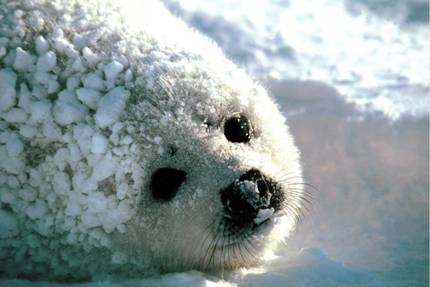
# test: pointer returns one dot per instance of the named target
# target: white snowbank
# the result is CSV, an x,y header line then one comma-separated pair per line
x,y
309,267
375,63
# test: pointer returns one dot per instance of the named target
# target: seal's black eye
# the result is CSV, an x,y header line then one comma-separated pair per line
x,y
238,129
165,183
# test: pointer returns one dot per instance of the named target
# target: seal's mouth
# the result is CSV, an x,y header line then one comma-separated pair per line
x,y
253,205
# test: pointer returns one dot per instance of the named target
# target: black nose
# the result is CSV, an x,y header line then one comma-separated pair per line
x,y
165,183
247,195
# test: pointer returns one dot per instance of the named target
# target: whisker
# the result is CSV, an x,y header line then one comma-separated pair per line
x,y
207,236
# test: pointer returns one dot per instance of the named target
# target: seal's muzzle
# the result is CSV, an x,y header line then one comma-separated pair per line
x,y
248,198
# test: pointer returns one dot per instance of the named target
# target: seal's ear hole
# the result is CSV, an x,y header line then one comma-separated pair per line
x,y
238,129
165,183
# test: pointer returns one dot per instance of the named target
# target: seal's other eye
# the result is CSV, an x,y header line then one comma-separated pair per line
x,y
165,183
238,129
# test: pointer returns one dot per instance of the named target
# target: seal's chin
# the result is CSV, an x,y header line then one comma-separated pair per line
x,y
235,246
252,231
243,230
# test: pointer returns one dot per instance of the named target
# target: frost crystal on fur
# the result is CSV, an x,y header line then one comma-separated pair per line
x,y
94,95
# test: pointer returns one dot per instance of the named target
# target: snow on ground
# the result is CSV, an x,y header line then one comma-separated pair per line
x,y
371,210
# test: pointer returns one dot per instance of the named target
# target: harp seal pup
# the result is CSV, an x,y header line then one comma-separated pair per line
x,y
130,145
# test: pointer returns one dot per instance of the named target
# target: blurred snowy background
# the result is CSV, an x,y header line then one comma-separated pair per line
x,y
352,78
372,51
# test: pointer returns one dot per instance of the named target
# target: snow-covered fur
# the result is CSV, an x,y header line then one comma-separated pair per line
x,y
94,96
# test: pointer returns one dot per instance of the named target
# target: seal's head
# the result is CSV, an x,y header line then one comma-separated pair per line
x,y
224,179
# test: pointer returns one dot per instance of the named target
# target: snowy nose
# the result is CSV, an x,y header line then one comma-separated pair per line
x,y
248,198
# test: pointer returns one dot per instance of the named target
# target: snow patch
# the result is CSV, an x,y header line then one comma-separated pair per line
x,y
263,214
7,88
23,60
47,62
8,224
111,106
99,143
112,70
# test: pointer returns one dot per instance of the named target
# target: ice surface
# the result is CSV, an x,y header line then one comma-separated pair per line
x,y
186,279
308,267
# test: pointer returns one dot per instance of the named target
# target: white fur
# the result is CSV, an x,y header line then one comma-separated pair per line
x,y
93,95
